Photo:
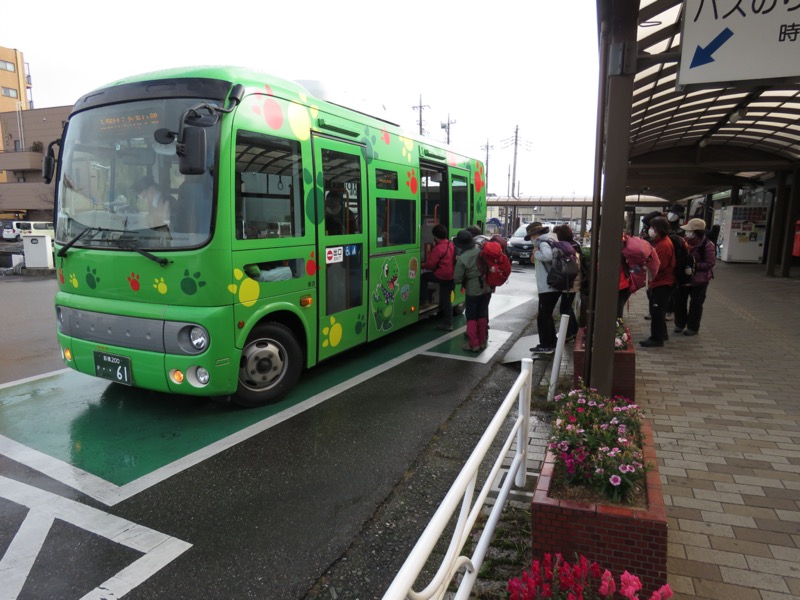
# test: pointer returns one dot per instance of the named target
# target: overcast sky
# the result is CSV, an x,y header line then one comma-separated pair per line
x,y
490,66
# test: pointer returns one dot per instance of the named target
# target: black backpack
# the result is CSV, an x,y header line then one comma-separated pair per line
x,y
684,261
564,268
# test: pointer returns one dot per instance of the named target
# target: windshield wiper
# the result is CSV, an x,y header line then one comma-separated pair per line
x,y
63,251
130,244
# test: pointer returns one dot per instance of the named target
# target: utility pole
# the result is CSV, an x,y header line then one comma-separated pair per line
x,y
514,180
420,107
446,126
487,147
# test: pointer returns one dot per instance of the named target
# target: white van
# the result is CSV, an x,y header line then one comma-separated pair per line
x,y
14,230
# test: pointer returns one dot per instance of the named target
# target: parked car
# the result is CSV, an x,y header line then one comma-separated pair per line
x,y
517,248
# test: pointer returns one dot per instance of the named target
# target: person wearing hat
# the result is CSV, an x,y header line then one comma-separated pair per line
x,y
548,297
705,257
467,275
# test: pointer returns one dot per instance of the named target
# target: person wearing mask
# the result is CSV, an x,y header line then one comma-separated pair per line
x,y
660,288
646,223
548,297
468,276
705,256
438,268
674,216
564,234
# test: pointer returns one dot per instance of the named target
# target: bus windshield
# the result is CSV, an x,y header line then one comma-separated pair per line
x,y
119,182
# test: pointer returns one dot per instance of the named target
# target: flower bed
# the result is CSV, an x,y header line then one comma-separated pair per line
x,y
623,382
605,445
557,579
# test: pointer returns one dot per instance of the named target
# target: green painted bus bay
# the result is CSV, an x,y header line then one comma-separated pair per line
x,y
218,230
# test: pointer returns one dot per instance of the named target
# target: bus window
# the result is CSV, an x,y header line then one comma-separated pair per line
x,y
342,199
460,202
396,222
269,189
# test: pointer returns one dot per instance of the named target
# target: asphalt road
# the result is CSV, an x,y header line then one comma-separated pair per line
x,y
324,504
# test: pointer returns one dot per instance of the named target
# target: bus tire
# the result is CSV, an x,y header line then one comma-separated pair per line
x,y
269,367
458,309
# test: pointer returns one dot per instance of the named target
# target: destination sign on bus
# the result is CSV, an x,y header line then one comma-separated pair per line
x,y
132,121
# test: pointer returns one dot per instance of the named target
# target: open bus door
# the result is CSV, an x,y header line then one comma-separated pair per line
x,y
342,246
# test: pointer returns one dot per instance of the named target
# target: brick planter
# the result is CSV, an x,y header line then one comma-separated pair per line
x,y
623,383
620,539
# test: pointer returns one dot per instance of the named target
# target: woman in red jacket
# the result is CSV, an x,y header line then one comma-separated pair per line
x,y
660,288
438,268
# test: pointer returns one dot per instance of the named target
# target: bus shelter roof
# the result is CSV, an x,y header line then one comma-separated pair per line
x,y
697,141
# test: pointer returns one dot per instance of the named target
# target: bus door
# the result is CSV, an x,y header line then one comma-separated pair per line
x,y
342,248
459,200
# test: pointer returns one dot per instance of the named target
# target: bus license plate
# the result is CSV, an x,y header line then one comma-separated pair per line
x,y
114,367
524,254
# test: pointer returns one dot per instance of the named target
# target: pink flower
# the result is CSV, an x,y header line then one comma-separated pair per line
x,y
607,585
662,593
629,585
615,480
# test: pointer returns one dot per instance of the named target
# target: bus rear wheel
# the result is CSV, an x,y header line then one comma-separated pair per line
x,y
270,365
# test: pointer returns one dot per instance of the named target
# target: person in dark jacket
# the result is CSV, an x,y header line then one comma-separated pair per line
x,y
705,256
438,268
564,234
660,288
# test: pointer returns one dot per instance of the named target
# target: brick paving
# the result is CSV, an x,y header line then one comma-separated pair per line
x,y
726,419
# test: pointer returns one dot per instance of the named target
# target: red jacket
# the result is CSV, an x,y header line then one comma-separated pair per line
x,y
441,260
666,254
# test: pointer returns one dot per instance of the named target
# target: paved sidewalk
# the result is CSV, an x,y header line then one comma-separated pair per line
x,y
726,411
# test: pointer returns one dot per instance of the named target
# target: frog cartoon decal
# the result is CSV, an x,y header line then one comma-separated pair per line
x,y
383,296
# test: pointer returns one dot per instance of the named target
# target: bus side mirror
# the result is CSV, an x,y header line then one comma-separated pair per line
x,y
192,151
48,166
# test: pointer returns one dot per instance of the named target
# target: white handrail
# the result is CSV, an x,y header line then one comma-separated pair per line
x,y
461,492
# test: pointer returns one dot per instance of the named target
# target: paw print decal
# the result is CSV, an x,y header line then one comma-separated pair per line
x,y
191,283
61,276
412,182
247,288
133,281
91,277
160,285
333,333
480,182
361,323
408,147
270,110
73,279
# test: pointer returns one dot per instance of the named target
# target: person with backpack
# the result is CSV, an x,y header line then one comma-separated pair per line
x,y
564,234
548,296
704,253
467,275
438,267
660,287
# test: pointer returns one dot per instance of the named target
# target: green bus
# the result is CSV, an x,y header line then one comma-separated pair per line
x,y
219,230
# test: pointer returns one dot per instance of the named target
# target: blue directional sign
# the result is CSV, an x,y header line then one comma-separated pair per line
x,y
728,41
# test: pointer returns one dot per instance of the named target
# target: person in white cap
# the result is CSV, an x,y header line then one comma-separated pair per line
x,y
705,257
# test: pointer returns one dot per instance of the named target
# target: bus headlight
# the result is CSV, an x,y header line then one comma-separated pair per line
x,y
202,376
199,338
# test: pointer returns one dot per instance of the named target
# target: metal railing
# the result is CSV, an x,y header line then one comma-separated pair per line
x,y
462,492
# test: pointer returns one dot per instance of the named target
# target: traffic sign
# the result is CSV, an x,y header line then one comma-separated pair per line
x,y
730,40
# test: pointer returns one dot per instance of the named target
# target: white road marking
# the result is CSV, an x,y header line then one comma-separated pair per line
x,y
158,549
110,494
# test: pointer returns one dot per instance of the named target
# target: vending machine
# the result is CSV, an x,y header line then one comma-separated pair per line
x,y
742,233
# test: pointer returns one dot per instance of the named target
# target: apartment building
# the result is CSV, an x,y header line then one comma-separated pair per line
x,y
25,133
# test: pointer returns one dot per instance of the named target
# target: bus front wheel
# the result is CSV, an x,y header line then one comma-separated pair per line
x,y
270,365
